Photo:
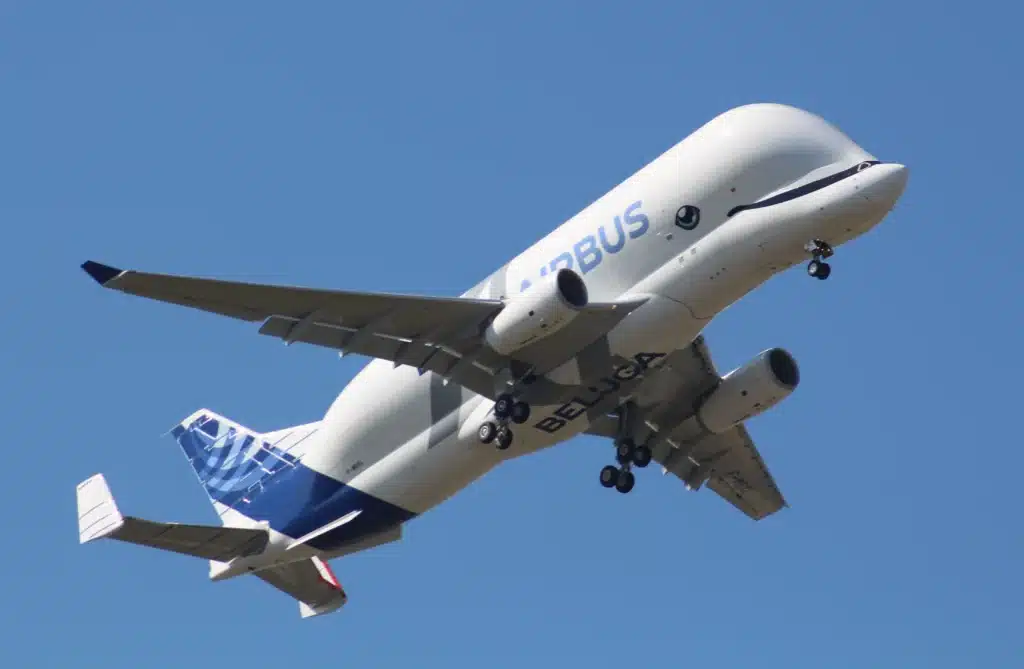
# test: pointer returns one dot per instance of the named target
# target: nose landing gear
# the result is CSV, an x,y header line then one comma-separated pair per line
x,y
819,250
506,409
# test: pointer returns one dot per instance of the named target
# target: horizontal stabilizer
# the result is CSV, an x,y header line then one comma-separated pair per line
x,y
99,518
311,582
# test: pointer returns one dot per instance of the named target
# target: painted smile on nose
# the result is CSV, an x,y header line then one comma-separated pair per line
x,y
806,189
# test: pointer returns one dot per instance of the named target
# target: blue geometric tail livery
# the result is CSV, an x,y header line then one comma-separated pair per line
x,y
232,462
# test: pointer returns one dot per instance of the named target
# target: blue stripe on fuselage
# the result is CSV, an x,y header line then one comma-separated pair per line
x,y
300,500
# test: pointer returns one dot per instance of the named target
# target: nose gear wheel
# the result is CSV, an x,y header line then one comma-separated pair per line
x,y
819,269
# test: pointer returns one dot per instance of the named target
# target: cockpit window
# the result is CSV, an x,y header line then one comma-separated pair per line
x,y
799,191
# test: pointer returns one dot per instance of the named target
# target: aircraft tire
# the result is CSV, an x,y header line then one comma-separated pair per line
x,y
504,438
819,269
503,406
487,432
520,412
625,482
609,476
642,456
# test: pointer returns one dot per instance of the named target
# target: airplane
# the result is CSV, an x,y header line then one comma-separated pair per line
x,y
596,329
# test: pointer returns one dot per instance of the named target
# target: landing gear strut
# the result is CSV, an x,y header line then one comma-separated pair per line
x,y
819,250
627,454
506,409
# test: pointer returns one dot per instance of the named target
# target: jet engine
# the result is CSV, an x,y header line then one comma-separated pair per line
x,y
540,311
750,390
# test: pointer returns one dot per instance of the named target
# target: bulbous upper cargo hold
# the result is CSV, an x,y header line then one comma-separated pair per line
x,y
751,151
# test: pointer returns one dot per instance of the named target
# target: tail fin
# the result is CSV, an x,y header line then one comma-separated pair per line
x,y
232,462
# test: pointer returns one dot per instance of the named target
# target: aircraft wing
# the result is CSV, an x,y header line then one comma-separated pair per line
x,y
438,334
728,463
311,582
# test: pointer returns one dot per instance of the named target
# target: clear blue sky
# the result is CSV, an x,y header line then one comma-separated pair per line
x,y
415,147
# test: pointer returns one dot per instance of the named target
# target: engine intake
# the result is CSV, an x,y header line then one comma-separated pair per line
x,y
750,390
540,311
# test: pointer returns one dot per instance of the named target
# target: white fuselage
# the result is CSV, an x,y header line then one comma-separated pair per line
x,y
411,441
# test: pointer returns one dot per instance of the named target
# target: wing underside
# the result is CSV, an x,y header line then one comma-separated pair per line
x,y
727,463
443,335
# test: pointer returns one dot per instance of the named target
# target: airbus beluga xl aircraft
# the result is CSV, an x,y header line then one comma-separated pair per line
x,y
594,329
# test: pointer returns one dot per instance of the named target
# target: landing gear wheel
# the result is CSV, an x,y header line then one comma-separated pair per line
x,y
819,269
642,456
609,476
520,413
503,406
625,482
487,432
819,250
504,438
624,451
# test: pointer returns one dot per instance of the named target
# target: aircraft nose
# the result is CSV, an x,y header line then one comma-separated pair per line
x,y
889,183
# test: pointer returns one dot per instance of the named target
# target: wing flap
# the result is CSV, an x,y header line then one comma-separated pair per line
x,y
741,477
730,465
438,358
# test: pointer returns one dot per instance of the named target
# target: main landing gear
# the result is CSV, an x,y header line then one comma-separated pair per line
x,y
819,250
506,409
627,453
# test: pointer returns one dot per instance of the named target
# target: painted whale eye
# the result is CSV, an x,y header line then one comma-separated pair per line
x,y
863,166
687,217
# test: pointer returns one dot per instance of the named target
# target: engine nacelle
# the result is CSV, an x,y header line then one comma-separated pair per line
x,y
542,310
750,390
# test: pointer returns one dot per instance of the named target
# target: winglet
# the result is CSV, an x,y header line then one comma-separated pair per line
x,y
101,273
98,515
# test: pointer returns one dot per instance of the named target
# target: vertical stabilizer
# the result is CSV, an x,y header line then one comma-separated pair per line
x,y
234,463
